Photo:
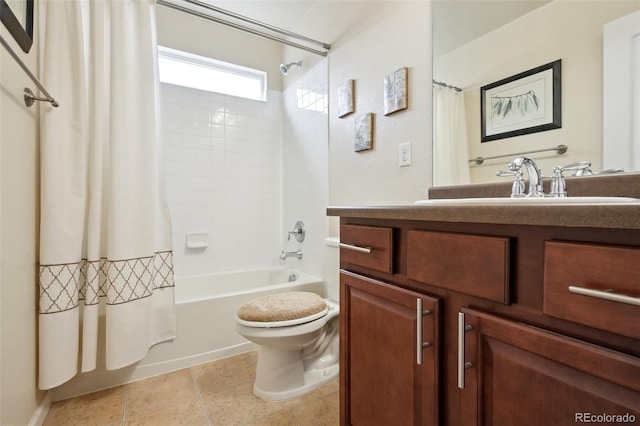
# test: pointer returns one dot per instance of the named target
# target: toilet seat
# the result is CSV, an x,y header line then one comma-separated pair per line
x,y
282,310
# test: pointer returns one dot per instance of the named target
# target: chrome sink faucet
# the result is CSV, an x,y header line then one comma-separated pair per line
x,y
534,173
558,185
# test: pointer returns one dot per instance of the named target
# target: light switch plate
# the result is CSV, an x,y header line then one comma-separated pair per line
x,y
404,154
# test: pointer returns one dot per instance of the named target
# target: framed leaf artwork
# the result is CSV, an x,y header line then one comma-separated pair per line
x,y
528,102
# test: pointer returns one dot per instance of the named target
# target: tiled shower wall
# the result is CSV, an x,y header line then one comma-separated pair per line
x,y
243,172
306,165
224,178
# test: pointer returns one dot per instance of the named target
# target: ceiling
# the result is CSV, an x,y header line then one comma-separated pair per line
x,y
323,20
455,22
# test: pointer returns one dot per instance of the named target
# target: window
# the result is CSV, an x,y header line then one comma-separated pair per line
x,y
198,72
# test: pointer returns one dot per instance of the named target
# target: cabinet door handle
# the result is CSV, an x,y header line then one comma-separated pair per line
x,y
355,248
462,366
419,344
607,295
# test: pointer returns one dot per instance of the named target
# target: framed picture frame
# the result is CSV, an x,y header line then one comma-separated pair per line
x,y
17,16
395,91
345,98
527,102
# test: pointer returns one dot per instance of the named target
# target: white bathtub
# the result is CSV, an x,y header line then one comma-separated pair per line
x,y
205,319
206,308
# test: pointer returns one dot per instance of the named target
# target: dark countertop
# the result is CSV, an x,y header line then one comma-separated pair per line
x,y
592,216
586,216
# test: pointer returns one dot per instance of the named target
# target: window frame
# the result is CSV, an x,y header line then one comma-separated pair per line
x,y
216,66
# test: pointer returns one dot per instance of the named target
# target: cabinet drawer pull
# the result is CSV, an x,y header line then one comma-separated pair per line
x,y
462,365
419,344
419,331
607,295
355,248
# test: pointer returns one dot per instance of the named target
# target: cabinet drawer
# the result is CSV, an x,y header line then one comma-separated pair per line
x,y
612,271
470,264
378,241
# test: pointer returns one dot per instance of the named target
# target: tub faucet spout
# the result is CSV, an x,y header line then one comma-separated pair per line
x,y
286,254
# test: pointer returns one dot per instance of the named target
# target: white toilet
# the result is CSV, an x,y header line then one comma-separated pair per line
x,y
298,335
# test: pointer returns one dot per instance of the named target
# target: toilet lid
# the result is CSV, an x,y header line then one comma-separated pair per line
x,y
282,309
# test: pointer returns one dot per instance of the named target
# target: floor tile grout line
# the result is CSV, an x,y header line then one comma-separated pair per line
x,y
124,405
199,393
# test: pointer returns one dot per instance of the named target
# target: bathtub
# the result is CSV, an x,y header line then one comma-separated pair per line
x,y
205,324
206,309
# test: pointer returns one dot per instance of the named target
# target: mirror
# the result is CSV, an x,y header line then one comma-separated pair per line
x,y
17,16
480,42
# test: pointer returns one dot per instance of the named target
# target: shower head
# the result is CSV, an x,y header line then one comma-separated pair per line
x,y
284,69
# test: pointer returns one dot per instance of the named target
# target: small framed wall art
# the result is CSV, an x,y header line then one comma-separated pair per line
x,y
528,102
345,98
364,133
395,91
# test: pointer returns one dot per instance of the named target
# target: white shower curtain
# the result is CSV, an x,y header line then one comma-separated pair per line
x,y
450,148
105,245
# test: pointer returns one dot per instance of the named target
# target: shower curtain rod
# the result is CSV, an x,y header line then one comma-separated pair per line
x,y
439,83
181,8
29,97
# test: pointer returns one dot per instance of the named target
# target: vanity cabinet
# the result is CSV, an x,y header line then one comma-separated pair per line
x,y
514,374
389,354
507,340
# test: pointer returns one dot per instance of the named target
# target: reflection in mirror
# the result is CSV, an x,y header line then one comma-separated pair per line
x,y
17,16
476,43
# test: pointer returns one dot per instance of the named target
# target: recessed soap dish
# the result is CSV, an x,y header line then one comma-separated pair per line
x,y
197,240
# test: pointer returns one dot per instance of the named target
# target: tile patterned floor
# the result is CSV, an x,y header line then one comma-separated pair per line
x,y
216,393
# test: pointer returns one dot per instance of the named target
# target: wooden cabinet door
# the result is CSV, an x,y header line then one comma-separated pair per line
x,y
388,354
522,375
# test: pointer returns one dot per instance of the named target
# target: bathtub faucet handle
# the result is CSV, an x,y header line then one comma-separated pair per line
x,y
298,232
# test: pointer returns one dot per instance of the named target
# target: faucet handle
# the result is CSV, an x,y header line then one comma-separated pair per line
x,y
558,184
517,189
298,232
610,171
579,168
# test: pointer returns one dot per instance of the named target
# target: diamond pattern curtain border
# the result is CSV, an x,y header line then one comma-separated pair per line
x,y
62,287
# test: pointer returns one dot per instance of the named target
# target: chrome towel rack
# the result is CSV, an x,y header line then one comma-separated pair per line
x,y
29,96
560,149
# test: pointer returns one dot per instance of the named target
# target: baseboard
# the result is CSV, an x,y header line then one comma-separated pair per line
x,y
38,417
94,381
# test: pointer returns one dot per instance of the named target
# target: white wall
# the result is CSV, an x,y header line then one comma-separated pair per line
x,y
252,232
224,178
19,194
563,29
305,160
392,35
399,36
